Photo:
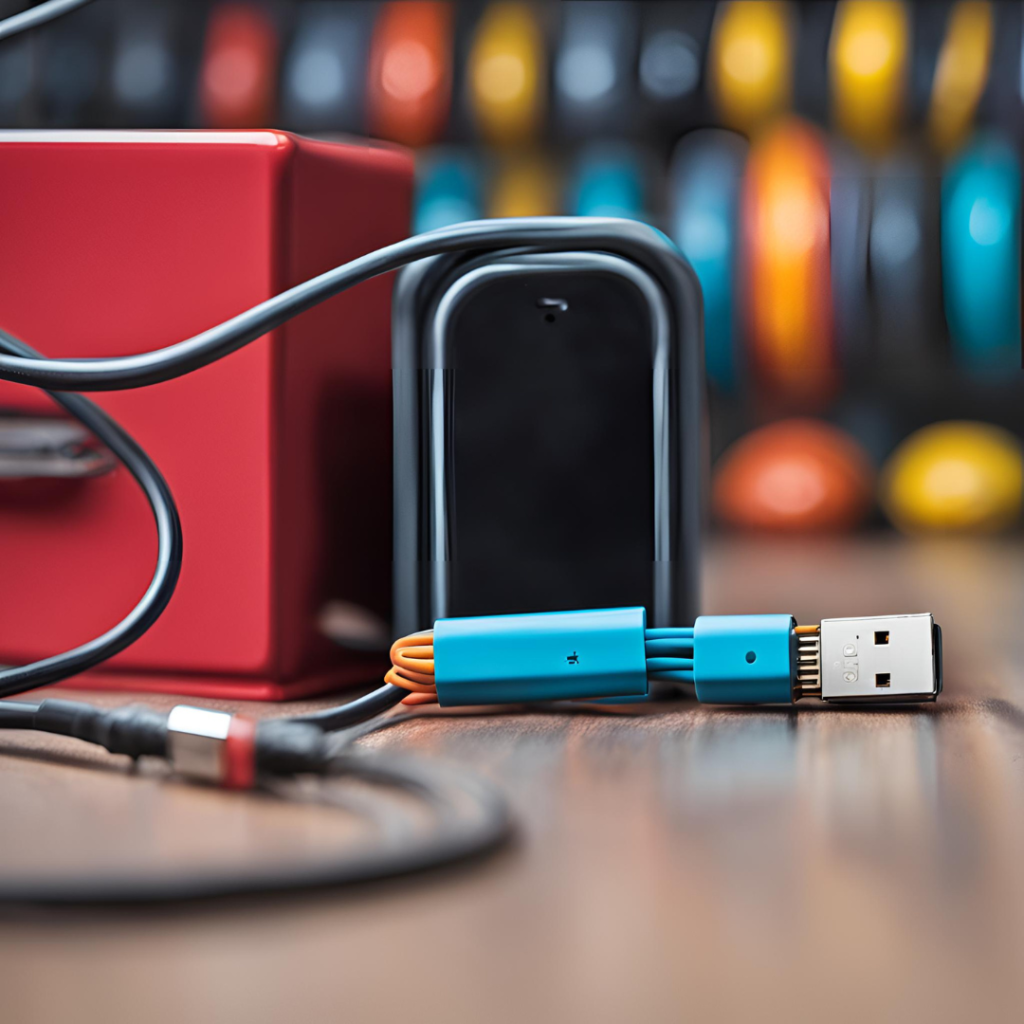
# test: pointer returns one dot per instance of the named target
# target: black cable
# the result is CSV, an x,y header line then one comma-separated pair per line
x,y
534,234
169,547
470,819
38,15
359,710
17,716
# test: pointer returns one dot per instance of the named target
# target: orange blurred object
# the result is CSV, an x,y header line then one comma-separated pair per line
x,y
238,76
410,87
787,263
795,475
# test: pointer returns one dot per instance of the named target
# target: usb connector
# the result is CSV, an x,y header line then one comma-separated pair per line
x,y
768,659
889,658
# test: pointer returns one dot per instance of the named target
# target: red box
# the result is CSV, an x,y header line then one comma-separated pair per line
x,y
279,455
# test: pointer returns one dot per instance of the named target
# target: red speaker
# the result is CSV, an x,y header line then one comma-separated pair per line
x,y
279,456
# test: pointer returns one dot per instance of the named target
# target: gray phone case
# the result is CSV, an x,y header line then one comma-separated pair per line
x,y
419,555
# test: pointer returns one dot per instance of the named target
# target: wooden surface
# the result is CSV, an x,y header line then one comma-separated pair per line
x,y
677,863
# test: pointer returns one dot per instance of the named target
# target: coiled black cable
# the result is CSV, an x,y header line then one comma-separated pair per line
x,y
169,547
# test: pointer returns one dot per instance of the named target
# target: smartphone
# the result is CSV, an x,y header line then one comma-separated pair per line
x,y
538,441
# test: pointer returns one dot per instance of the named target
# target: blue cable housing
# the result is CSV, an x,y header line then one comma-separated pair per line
x,y
609,653
744,659
506,659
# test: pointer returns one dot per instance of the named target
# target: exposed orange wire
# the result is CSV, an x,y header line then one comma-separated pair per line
x,y
412,668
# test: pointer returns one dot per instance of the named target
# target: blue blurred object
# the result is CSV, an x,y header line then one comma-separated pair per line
x,y
705,181
447,191
595,66
18,63
981,197
609,183
904,261
145,73
75,57
323,86
850,223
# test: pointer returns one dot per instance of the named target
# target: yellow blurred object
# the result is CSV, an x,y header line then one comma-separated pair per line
x,y
869,63
506,73
955,476
961,74
785,230
751,61
523,186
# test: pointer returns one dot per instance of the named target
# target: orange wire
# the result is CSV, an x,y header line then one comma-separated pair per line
x,y
427,678
413,664
407,684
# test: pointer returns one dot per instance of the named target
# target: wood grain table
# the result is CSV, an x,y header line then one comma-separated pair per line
x,y
673,863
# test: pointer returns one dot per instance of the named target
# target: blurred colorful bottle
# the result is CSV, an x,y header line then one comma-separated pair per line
x,y
323,86
673,51
705,181
795,476
410,84
960,74
869,64
786,264
148,71
905,262
981,237
609,183
750,70
955,476
238,73
73,60
506,74
18,81
447,191
594,66
849,230
523,185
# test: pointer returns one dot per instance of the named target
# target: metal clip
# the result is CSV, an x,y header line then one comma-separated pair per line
x,y
36,447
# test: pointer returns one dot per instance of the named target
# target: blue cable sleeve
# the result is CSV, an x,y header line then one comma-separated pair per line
x,y
669,648
668,664
680,676
670,633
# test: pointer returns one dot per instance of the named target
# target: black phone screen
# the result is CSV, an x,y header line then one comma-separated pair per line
x,y
550,489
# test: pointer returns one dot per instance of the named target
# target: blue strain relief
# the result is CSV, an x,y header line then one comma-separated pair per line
x,y
744,659
508,659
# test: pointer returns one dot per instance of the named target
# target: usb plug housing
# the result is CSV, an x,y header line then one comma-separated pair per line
x,y
881,658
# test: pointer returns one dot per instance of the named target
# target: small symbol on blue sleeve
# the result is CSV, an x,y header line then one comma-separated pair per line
x,y
573,659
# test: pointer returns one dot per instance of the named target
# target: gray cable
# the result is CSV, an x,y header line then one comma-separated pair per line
x,y
38,15
533,234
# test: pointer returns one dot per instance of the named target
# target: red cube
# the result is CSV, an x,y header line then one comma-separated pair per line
x,y
279,455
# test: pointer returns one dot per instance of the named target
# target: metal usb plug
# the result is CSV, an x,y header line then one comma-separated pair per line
x,y
892,658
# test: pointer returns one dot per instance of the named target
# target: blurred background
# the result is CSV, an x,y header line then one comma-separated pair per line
x,y
844,178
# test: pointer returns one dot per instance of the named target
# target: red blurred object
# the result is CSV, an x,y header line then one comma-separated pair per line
x,y
279,455
238,74
410,85
796,475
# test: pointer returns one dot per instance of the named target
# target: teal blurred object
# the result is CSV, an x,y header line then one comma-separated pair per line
x,y
704,182
981,198
609,183
447,191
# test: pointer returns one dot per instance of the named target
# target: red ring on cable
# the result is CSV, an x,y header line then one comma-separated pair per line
x,y
240,754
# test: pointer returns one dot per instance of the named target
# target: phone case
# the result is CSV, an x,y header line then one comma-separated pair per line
x,y
418,560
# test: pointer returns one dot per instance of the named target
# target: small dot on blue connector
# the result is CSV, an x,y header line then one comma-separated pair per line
x,y
751,657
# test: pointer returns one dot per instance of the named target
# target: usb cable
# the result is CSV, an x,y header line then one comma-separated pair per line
x,y
727,659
